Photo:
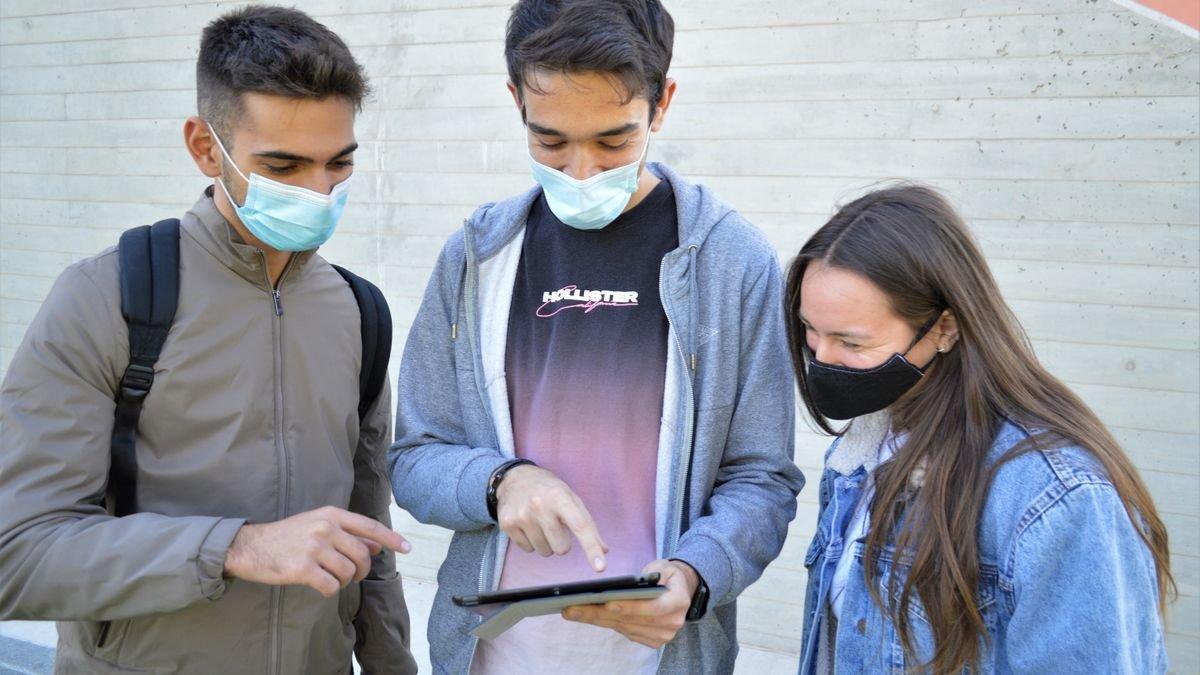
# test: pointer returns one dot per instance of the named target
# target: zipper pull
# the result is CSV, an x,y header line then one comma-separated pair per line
x,y
278,302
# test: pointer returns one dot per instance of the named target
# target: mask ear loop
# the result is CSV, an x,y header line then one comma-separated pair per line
x,y
225,153
645,146
924,330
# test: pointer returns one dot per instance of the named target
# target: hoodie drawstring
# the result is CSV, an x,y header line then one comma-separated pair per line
x,y
694,302
458,300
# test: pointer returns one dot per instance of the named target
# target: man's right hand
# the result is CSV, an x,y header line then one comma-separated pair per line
x,y
539,512
326,549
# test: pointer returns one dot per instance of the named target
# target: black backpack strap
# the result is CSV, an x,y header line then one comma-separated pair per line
x,y
149,257
376,338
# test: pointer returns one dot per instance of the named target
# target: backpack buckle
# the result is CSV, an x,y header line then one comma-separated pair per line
x,y
136,382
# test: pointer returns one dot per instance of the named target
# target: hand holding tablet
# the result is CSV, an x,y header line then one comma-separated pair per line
x,y
651,622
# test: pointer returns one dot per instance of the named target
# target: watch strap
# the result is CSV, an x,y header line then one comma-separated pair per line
x,y
494,482
699,606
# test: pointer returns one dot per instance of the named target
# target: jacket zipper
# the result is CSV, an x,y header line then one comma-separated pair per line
x,y
686,460
276,602
469,281
471,278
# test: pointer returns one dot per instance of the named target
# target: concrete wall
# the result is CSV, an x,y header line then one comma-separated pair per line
x,y
1065,130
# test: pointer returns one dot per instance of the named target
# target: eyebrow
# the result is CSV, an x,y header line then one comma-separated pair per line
x,y
615,131
289,157
840,333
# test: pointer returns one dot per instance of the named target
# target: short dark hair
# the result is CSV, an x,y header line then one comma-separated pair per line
x,y
271,50
629,40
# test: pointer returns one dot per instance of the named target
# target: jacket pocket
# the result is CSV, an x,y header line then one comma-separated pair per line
x,y
102,634
985,595
73,664
107,637
94,649
985,603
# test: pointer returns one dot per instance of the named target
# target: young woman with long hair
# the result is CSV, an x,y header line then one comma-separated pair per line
x,y
975,513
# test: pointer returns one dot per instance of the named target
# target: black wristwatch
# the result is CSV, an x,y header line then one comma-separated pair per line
x,y
494,482
699,604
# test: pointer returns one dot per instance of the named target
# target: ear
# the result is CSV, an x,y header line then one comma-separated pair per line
x,y
202,146
515,91
660,111
945,331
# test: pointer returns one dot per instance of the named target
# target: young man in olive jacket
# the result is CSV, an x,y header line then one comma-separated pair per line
x,y
261,542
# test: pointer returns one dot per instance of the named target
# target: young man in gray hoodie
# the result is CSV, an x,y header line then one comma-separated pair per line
x,y
598,381
260,541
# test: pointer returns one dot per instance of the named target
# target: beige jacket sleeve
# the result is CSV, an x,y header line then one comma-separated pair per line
x,y
62,556
382,626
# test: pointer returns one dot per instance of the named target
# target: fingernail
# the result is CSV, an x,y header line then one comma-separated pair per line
x,y
598,563
405,547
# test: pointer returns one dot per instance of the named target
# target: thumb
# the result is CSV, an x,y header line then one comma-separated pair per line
x,y
664,568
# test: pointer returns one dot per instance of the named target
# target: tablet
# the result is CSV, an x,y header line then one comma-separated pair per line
x,y
499,618
643,581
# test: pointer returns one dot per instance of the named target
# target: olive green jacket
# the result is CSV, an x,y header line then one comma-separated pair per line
x,y
252,418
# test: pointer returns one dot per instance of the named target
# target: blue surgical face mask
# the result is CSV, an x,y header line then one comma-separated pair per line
x,y
592,203
286,217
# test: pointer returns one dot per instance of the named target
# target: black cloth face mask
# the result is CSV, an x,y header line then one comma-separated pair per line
x,y
842,393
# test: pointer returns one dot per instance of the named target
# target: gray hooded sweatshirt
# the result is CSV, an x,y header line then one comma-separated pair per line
x,y
726,484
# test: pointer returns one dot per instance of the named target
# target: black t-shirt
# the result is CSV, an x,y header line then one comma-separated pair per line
x,y
586,365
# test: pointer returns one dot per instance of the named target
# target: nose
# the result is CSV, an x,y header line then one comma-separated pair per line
x,y
821,350
318,181
581,165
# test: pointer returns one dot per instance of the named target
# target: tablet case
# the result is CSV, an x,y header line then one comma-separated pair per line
x,y
514,612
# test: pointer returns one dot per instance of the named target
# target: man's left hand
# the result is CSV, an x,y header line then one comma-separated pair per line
x,y
653,622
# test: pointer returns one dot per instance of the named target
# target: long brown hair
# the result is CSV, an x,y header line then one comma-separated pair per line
x,y
911,244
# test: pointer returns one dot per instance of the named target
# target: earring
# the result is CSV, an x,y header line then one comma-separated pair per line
x,y
940,349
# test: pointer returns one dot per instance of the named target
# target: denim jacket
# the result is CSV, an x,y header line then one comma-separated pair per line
x,y
1066,584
